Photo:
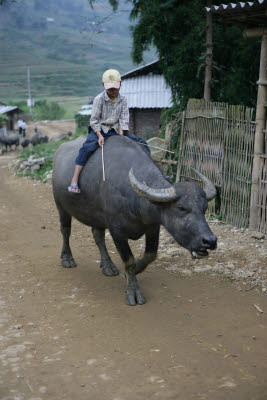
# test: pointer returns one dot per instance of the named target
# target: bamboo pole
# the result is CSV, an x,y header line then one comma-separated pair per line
x,y
208,74
255,32
259,135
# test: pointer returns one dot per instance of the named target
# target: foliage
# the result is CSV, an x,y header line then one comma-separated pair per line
x,y
82,121
22,104
177,29
66,57
45,110
3,118
46,150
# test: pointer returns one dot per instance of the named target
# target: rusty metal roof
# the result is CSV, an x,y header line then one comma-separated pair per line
x,y
243,13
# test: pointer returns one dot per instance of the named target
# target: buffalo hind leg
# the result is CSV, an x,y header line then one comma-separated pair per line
x,y
67,261
133,292
107,266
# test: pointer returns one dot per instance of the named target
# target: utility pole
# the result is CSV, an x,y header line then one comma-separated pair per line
x,y
30,101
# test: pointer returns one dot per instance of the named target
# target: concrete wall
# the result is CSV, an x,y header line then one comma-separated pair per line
x,y
145,122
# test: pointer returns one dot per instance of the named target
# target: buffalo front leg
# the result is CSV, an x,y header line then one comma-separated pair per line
x,y
152,243
133,292
107,266
67,261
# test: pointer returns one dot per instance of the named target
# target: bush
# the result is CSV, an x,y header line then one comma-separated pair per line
x,y
3,118
82,121
44,110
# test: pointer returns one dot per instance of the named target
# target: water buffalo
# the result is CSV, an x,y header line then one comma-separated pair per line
x,y
24,142
38,138
9,140
134,200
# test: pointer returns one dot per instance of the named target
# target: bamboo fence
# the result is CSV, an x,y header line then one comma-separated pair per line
x,y
218,140
262,209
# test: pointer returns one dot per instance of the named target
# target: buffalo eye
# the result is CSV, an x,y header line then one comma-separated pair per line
x,y
182,209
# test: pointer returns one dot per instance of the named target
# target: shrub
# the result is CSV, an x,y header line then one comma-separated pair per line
x,y
82,121
45,110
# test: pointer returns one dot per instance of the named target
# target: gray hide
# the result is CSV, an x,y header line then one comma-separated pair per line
x,y
134,200
9,140
38,138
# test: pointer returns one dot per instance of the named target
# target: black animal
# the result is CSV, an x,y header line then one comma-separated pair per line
x,y
24,142
9,140
38,138
134,200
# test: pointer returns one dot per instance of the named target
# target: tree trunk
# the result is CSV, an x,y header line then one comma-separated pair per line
x,y
207,85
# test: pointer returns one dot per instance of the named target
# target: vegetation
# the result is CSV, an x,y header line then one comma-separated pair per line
x,y
82,121
177,29
60,41
46,150
3,118
45,110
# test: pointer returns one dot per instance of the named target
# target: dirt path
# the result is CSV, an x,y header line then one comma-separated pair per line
x,y
52,128
67,334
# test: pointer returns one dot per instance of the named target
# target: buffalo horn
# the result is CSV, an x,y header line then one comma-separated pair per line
x,y
159,195
209,188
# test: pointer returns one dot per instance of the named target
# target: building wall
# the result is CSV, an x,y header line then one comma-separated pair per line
x,y
145,122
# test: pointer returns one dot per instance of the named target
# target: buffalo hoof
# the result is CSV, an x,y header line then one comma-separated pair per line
x,y
109,269
68,262
134,297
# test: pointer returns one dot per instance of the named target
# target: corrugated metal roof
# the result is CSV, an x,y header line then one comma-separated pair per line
x,y
249,14
6,109
144,69
148,91
236,6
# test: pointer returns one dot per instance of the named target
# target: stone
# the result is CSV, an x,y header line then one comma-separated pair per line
x,y
257,235
169,240
35,167
173,252
219,269
203,269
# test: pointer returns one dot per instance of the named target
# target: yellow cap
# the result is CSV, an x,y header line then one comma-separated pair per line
x,y
111,79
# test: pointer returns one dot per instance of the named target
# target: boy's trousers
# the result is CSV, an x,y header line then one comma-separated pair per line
x,y
91,144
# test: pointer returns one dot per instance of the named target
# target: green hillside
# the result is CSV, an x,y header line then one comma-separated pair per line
x,y
64,46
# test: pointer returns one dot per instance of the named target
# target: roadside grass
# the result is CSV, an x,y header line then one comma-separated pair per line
x,y
46,150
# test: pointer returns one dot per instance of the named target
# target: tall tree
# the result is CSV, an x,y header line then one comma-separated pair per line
x,y
177,29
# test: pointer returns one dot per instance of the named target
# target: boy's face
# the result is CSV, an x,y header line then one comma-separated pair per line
x,y
112,93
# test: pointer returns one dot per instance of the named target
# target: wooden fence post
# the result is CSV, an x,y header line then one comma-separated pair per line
x,y
260,126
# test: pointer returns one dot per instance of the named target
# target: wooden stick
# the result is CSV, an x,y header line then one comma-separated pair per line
x,y
103,166
155,147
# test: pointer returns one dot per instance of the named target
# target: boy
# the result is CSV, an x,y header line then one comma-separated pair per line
x,y
110,116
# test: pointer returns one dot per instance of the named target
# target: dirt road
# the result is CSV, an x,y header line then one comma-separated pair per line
x,y
67,334
51,128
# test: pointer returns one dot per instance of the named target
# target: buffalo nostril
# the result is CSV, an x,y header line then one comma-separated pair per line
x,y
210,241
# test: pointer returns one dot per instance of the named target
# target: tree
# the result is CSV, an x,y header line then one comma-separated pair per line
x,y
177,29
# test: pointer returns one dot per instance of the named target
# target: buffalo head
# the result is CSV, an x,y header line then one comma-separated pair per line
x,y
182,209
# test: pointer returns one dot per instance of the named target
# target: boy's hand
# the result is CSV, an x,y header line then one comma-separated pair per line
x,y
120,130
100,140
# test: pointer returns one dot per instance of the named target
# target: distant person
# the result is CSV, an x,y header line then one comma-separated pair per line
x,y
110,116
35,127
24,127
20,122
